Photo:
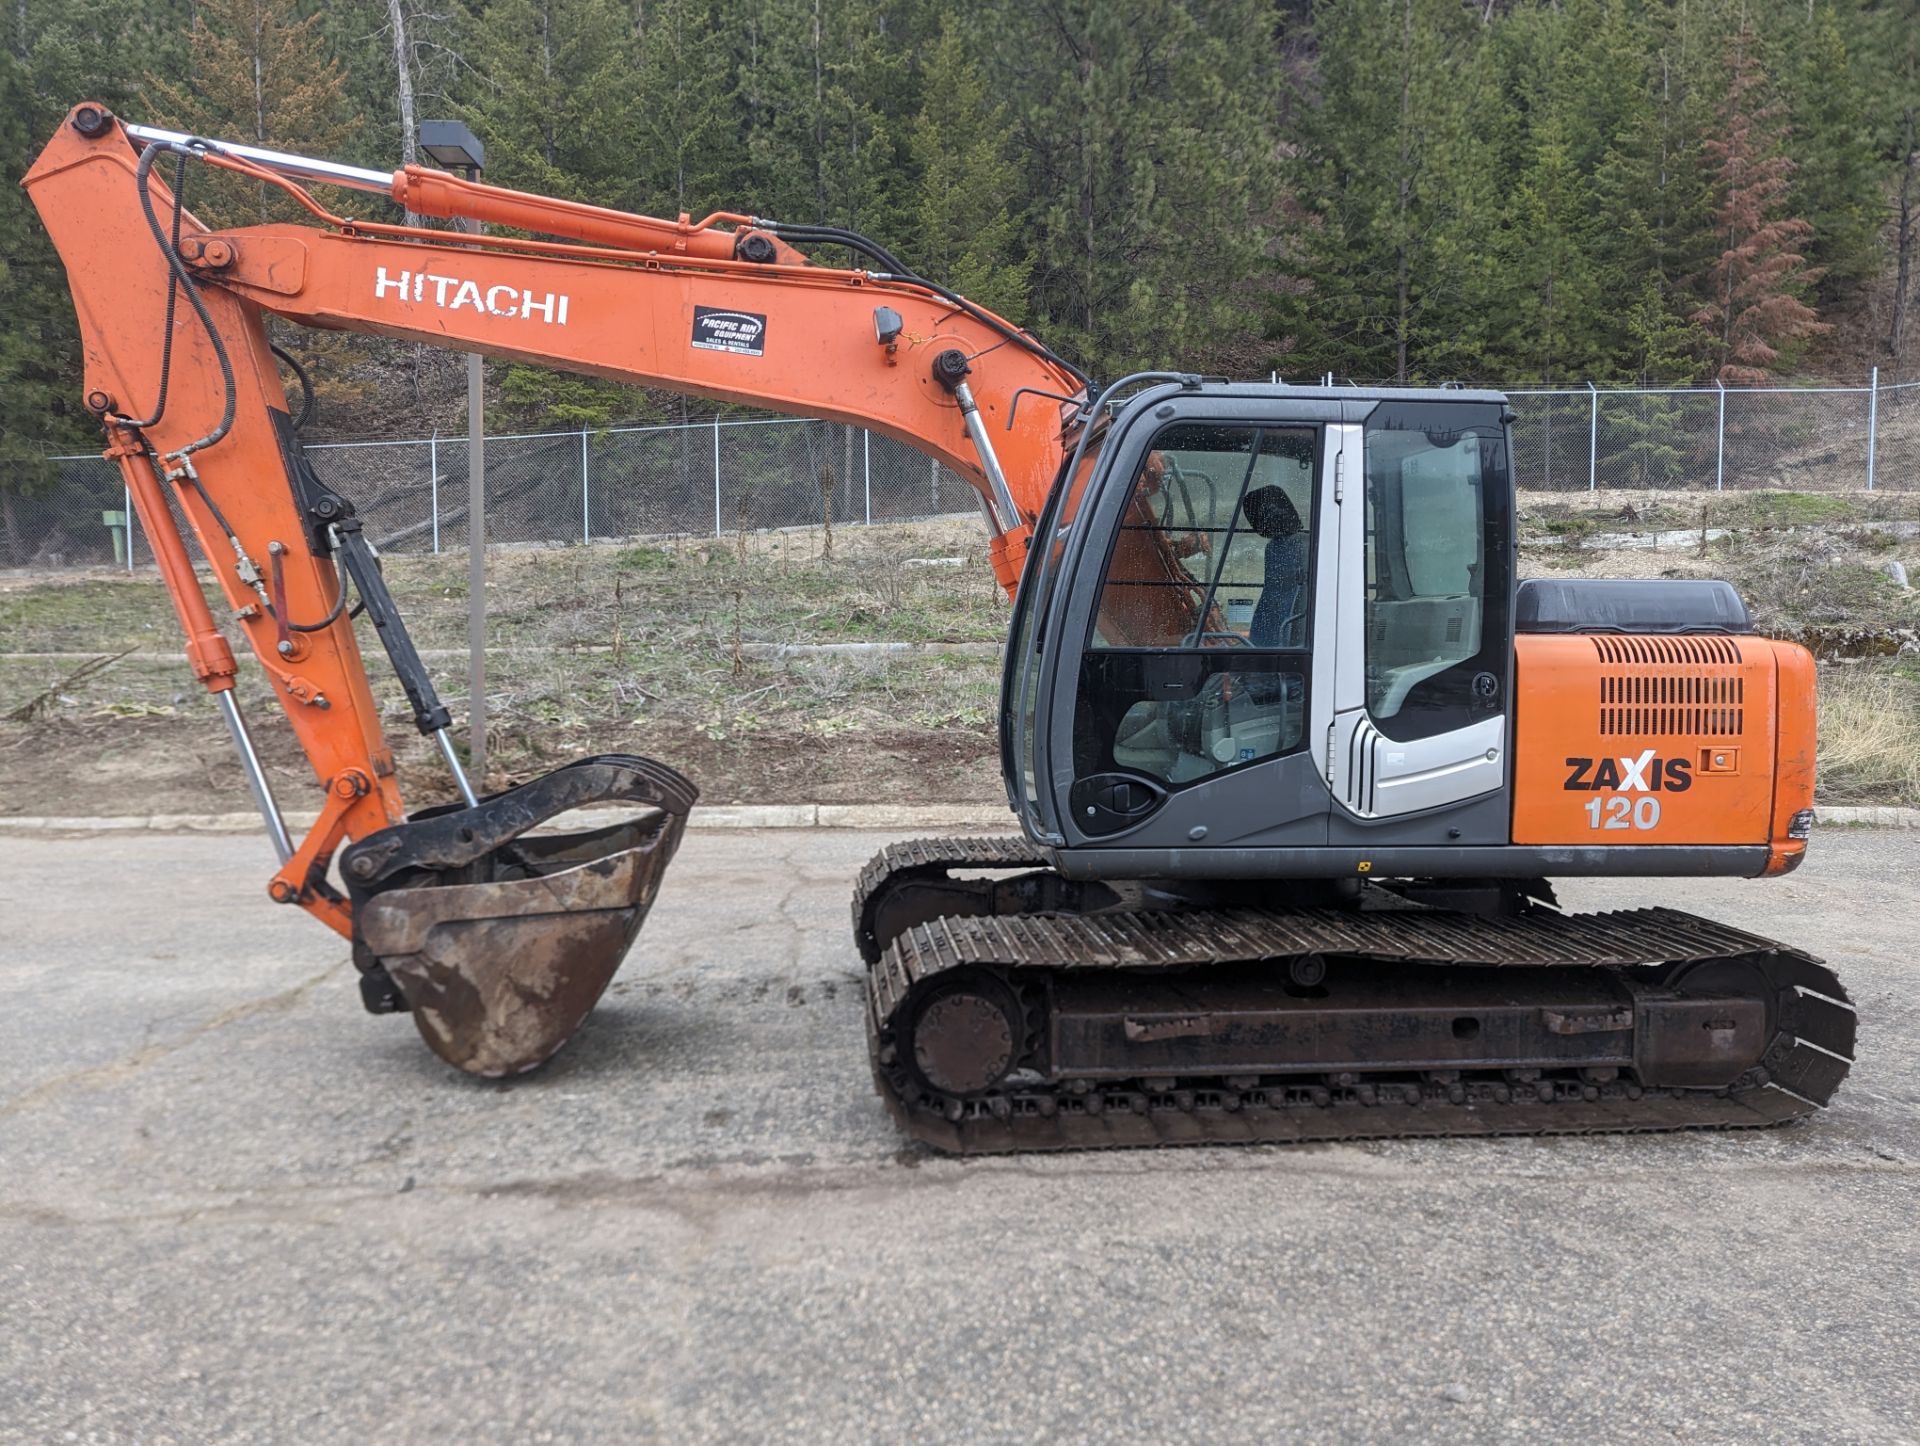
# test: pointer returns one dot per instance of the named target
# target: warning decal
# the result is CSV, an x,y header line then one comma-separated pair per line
x,y
741,332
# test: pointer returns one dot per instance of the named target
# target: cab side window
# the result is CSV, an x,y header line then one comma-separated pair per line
x,y
1436,558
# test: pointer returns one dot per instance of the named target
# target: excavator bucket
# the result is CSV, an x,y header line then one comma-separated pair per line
x,y
499,940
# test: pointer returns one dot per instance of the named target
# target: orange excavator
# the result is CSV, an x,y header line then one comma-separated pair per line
x,y
1293,751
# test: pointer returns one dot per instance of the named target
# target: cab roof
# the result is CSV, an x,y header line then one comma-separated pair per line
x,y
1274,391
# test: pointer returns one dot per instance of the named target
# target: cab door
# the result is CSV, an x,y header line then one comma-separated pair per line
x,y
1171,665
1424,634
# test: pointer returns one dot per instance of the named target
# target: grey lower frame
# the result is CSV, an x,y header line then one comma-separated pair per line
x,y
1512,861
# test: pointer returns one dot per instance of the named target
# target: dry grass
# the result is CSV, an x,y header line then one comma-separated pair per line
x,y
604,648
644,635
1870,734
634,647
1809,565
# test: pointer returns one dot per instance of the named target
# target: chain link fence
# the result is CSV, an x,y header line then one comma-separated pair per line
x,y
625,482
1788,439
758,474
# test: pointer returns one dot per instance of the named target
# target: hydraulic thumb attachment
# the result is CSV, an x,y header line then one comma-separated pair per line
x,y
499,940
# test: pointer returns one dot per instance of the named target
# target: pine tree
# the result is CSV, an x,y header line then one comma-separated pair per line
x,y
1651,203
1565,289
682,106
1837,182
1148,149
966,234
824,93
1635,205
401,59
1678,193
1906,232
263,74
1661,349
1896,109
54,56
1647,433
1366,265
39,353
1754,290
548,96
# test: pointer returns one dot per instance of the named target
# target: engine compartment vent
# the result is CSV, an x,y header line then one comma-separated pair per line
x,y
1671,687
1668,651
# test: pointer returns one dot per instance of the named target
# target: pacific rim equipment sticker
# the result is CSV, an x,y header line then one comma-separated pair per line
x,y
744,333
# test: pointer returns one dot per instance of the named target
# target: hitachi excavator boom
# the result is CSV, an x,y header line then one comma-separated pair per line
x,y
1293,750
497,939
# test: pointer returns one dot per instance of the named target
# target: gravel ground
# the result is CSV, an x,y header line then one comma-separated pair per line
x,y
235,1208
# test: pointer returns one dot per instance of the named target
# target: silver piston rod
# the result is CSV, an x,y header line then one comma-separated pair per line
x,y
256,775
950,371
304,167
452,760
983,445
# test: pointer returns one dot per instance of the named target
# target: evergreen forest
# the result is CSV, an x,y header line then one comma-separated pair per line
x,y
1504,191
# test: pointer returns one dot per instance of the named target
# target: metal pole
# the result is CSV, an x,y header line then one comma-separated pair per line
x,y
1720,442
1593,440
1873,431
433,471
1547,451
716,476
127,516
866,464
586,526
476,562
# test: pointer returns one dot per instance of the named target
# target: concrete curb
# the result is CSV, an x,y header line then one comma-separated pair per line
x,y
919,818
974,648
1872,816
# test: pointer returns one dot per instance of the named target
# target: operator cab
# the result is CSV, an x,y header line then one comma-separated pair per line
x,y
1262,628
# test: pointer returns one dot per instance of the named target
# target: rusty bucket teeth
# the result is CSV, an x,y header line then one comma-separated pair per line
x,y
498,940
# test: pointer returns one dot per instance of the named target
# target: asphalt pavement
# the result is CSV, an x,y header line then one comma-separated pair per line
x,y
233,1207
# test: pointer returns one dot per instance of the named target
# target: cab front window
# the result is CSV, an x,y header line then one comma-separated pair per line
x,y
1196,664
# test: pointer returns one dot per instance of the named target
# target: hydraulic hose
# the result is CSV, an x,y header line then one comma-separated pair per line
x,y
895,267
173,290
306,385
184,279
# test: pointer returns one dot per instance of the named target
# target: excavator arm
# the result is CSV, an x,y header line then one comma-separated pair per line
x,y
179,368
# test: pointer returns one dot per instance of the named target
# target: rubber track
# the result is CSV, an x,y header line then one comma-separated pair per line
x,y
923,858
1802,1067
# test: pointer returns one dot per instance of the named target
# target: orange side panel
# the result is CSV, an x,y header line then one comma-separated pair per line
x,y
1646,740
